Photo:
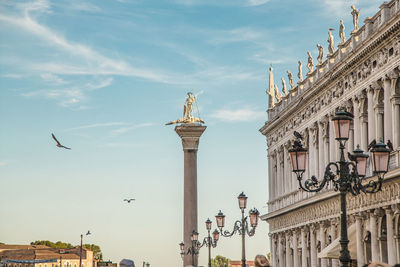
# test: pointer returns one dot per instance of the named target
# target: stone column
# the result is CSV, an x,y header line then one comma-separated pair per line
x,y
273,176
321,149
387,110
374,236
391,245
314,151
324,262
303,247
325,133
287,253
356,122
395,100
332,141
282,177
332,232
190,135
378,108
313,247
295,249
362,101
274,260
278,178
359,241
280,250
371,115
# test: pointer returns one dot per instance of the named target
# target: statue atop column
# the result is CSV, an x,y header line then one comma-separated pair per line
x,y
356,15
341,32
331,47
320,57
290,77
284,89
300,74
310,63
277,94
187,111
271,89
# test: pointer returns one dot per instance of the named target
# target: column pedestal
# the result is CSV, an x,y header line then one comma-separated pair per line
x,y
190,136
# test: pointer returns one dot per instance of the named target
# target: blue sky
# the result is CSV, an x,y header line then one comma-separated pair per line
x,y
104,77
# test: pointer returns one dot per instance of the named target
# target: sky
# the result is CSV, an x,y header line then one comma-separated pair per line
x,y
105,76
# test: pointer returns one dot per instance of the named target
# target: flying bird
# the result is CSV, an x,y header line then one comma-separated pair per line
x,y
58,143
129,200
331,29
390,145
88,232
372,144
298,135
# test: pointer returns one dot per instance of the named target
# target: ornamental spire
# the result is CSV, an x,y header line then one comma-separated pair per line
x,y
271,89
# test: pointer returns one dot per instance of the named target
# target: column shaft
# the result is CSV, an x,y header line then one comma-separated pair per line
x,y
313,248
387,111
324,262
332,231
396,122
356,123
371,116
295,250
303,248
280,250
374,237
391,246
287,252
359,242
321,152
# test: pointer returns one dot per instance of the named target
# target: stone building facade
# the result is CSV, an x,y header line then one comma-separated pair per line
x,y
362,75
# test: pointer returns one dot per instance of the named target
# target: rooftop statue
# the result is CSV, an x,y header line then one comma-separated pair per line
x,y
356,15
320,54
284,89
310,63
270,90
290,77
187,111
331,43
300,74
341,32
277,94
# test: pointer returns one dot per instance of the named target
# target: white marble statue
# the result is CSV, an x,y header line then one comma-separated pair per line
x,y
290,77
300,74
341,32
356,15
331,46
310,63
284,89
277,94
320,54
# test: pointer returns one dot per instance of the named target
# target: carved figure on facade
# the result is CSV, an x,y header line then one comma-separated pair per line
x,y
290,77
278,96
356,14
341,32
300,73
310,63
331,43
320,57
284,89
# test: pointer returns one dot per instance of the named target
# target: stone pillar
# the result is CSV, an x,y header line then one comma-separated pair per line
x,y
325,133
282,177
387,110
280,250
324,262
395,100
273,175
332,232
274,259
378,108
313,247
332,141
356,122
295,249
314,151
374,236
190,135
362,101
303,247
359,241
391,245
287,252
321,148
278,178
371,115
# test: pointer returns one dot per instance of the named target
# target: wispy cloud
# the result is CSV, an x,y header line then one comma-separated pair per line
x,y
257,2
53,79
337,8
238,115
83,6
97,125
3,163
123,130
237,35
239,3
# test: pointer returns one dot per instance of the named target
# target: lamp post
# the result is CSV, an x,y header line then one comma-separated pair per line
x,y
241,226
80,253
346,176
196,245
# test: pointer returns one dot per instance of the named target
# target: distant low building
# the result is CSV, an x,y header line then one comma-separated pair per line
x,y
43,256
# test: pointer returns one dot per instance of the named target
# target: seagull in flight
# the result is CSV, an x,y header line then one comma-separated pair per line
x,y
129,200
88,232
58,143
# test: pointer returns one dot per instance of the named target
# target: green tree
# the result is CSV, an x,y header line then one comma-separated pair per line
x,y
220,261
96,251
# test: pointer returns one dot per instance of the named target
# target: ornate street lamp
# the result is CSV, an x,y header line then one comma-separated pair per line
x,y
196,245
346,176
241,226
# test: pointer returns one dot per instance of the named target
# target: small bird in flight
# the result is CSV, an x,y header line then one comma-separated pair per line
x,y
88,232
129,200
58,143
331,29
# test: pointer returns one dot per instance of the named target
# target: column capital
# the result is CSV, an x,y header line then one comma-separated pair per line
x,y
379,212
190,134
388,210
